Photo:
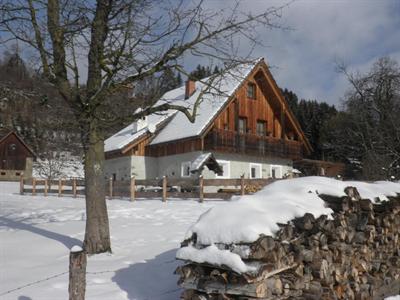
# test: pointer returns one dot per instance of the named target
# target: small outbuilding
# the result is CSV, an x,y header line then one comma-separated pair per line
x,y
311,167
16,157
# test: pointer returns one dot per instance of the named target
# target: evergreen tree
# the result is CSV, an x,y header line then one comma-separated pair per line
x,y
179,80
202,72
169,81
312,115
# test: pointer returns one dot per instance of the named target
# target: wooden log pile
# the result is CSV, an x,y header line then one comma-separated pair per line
x,y
252,188
354,255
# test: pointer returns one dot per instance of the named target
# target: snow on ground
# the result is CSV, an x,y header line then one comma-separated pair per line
x,y
37,232
245,218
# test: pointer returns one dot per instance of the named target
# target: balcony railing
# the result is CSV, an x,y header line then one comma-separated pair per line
x,y
231,141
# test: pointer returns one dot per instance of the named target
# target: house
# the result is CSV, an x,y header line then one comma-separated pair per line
x,y
244,126
15,156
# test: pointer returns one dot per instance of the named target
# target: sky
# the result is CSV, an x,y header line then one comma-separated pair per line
x,y
318,33
304,57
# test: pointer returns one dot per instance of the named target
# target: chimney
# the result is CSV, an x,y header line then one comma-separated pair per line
x,y
190,88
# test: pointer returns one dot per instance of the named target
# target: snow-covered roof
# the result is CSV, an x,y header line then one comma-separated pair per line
x,y
199,161
130,133
179,127
211,104
206,159
296,171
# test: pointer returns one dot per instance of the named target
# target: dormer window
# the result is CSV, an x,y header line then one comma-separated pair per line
x,y
251,91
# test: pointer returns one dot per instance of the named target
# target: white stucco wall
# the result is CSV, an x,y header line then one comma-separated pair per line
x,y
171,165
151,167
240,164
120,166
144,167
141,167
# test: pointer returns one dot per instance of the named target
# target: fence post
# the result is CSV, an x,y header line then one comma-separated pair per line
x,y
77,273
60,187
164,189
242,184
45,187
74,187
201,188
133,188
21,184
33,186
110,188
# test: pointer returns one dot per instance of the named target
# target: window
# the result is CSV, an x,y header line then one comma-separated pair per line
x,y
185,169
255,171
12,147
276,171
251,91
290,136
226,168
242,125
261,128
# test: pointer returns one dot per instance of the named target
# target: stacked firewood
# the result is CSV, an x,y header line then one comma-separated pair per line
x,y
252,188
354,255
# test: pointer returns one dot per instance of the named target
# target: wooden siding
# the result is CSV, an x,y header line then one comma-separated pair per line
x,y
264,108
142,148
13,153
175,147
137,148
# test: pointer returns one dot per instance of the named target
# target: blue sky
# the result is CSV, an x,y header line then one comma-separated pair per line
x,y
322,32
303,58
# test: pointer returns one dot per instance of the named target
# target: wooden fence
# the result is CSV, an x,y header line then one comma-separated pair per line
x,y
73,186
148,188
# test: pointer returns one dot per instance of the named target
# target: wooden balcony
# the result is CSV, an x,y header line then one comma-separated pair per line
x,y
233,142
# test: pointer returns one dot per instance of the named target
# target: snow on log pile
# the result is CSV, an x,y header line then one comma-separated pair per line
x,y
305,238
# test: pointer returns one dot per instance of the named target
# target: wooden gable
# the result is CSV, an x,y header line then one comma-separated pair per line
x,y
268,106
13,151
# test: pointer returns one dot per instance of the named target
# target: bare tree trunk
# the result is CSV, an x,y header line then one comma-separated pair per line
x,y
77,274
97,234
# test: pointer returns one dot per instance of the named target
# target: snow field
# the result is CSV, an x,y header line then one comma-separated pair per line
x,y
37,232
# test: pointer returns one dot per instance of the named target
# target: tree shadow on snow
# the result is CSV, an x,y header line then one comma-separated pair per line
x,y
24,298
67,241
153,279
